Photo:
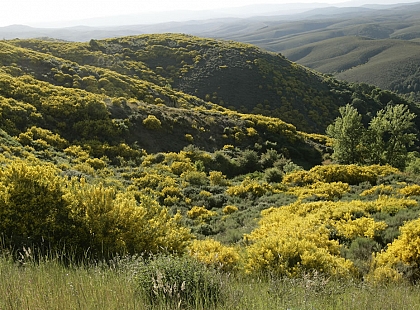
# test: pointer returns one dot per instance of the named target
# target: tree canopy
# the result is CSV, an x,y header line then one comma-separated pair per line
x,y
384,141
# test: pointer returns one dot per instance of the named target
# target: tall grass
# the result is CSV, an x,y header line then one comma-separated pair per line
x,y
50,285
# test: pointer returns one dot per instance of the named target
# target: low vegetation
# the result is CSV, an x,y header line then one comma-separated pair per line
x,y
99,191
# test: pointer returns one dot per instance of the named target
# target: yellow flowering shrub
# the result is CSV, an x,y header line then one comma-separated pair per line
x,y
173,157
288,245
189,138
152,122
378,190
77,152
299,178
149,180
200,213
179,167
217,178
229,209
195,177
360,227
392,205
303,237
251,132
402,257
327,191
125,222
38,206
32,208
97,163
228,147
35,133
250,187
205,194
215,254
171,190
351,174
411,190
85,168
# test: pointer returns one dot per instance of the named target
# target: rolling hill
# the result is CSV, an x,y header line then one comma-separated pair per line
x,y
373,44
378,46
229,74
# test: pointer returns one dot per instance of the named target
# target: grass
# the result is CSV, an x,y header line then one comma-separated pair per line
x,y
49,285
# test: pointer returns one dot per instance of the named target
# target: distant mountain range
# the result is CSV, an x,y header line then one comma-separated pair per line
x,y
374,44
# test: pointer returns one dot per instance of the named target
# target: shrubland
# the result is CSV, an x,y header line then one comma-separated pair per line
x,y
115,184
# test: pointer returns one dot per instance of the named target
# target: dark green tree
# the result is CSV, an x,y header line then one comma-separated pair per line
x,y
346,133
389,134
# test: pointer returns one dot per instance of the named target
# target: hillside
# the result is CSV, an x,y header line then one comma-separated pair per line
x,y
378,46
351,43
122,149
236,76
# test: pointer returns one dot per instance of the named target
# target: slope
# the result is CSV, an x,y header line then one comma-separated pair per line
x,y
237,76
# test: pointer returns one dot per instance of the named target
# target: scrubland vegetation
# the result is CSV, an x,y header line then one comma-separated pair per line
x,y
148,197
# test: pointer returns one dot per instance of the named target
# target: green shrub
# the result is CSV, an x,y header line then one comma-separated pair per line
x,y
273,175
179,283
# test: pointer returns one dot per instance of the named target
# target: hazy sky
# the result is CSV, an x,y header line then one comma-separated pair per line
x,y
30,12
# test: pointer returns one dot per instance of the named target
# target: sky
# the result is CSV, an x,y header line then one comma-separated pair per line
x,y
35,12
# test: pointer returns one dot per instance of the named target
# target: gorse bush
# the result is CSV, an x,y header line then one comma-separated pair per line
x,y
179,282
401,259
248,187
33,210
214,254
321,190
200,213
126,222
40,209
308,237
152,122
229,209
350,174
411,190
287,244
380,189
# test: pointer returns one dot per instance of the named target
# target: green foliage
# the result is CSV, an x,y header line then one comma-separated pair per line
x,y
273,175
346,132
385,141
170,282
142,68
390,135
